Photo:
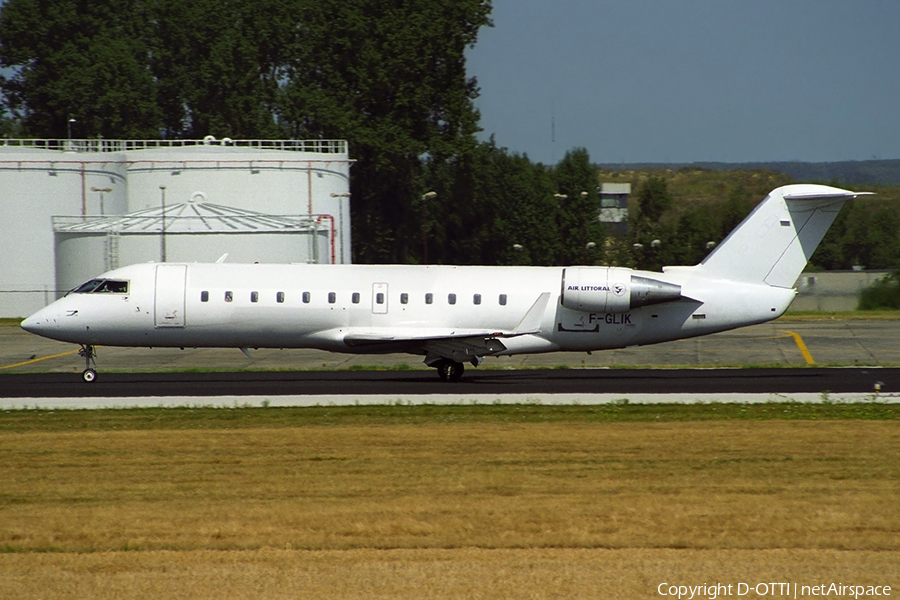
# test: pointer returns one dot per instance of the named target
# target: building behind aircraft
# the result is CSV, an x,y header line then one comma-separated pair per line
x,y
73,207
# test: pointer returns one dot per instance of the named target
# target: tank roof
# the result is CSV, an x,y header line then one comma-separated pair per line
x,y
209,143
189,217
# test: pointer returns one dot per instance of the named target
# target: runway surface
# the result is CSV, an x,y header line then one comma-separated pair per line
x,y
564,386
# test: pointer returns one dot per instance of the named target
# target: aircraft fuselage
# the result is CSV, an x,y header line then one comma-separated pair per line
x,y
317,306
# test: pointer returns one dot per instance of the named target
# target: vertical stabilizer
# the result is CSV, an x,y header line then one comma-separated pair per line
x,y
774,243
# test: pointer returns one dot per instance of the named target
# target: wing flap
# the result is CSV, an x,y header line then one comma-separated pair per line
x,y
455,345
355,339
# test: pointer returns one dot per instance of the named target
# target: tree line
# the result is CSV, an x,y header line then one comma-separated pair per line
x,y
389,77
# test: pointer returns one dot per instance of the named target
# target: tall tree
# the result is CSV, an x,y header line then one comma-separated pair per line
x,y
581,235
736,207
390,77
653,200
654,243
698,227
500,210
87,61
219,64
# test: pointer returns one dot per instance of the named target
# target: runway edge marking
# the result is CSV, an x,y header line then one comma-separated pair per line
x,y
226,402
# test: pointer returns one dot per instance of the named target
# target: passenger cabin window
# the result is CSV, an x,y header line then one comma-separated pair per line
x,y
229,296
429,298
476,299
279,297
254,296
355,298
305,297
103,286
204,296
451,298
404,298
502,299
332,297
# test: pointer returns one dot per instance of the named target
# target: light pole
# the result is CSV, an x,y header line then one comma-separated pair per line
x,y
69,130
162,238
583,220
518,249
589,253
425,198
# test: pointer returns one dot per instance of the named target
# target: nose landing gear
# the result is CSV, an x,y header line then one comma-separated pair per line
x,y
89,353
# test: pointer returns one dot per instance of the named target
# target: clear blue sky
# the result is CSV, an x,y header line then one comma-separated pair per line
x,y
692,80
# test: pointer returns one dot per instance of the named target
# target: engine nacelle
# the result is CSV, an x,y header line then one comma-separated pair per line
x,y
612,290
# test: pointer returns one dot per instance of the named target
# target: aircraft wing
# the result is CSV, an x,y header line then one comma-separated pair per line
x,y
456,344
468,343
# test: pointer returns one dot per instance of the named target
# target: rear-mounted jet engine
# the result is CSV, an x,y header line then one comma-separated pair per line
x,y
612,290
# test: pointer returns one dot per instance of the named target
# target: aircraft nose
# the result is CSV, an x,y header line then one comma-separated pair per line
x,y
41,323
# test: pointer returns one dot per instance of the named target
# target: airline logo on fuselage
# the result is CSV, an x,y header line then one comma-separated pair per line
x,y
618,288
588,288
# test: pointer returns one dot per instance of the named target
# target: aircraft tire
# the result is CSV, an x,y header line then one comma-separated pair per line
x,y
89,375
449,370
456,371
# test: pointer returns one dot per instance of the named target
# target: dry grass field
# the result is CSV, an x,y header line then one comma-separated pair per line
x,y
453,502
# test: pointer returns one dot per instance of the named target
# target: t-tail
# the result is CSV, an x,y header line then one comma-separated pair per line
x,y
774,243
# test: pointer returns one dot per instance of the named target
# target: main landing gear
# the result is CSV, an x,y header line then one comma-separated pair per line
x,y
87,351
449,370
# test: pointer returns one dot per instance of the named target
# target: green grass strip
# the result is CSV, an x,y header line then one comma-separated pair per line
x,y
243,418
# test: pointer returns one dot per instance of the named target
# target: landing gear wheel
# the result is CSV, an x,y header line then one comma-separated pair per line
x,y
449,370
88,352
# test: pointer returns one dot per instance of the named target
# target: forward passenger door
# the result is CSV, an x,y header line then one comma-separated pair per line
x,y
169,299
379,298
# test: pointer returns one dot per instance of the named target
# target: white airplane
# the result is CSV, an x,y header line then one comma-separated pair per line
x,y
451,314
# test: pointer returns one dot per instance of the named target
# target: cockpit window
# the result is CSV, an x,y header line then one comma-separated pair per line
x,y
87,288
113,286
103,286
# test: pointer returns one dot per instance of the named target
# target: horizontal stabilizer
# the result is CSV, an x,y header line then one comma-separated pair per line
x,y
819,195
